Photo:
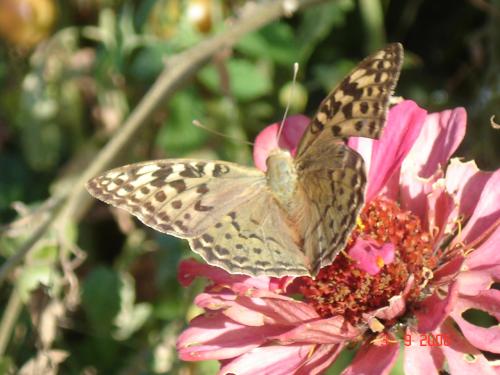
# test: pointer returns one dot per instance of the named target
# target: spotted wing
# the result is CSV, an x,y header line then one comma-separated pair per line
x,y
332,176
225,209
254,238
358,105
179,197
333,182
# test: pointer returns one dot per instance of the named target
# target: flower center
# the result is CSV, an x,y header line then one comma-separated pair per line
x,y
343,289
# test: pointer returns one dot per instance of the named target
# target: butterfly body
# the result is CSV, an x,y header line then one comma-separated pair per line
x,y
281,176
289,221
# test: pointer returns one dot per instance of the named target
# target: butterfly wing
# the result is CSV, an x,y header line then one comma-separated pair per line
x,y
225,209
254,238
334,200
177,196
332,176
358,105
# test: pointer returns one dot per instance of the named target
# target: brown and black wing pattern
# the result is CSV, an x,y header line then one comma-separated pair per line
x,y
334,200
358,105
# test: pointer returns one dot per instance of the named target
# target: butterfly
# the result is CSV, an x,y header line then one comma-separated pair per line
x,y
292,219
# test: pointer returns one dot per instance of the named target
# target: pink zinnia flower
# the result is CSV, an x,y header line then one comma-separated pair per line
x,y
423,256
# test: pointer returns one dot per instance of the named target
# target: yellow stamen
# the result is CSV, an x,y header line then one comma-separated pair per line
x,y
311,351
375,325
428,275
384,340
360,224
344,253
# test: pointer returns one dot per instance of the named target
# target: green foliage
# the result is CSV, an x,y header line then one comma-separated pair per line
x,y
14,181
101,298
317,23
247,81
179,136
275,42
64,98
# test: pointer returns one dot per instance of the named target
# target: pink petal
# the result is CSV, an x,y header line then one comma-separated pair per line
x,y
487,253
391,188
189,269
213,301
214,336
487,211
448,272
251,311
487,300
474,281
483,338
396,307
245,316
414,192
323,356
371,256
284,311
434,310
374,359
421,359
364,146
441,215
441,134
266,140
482,266
466,182
269,360
404,123
463,358
333,330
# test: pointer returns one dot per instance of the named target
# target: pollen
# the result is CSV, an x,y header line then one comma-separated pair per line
x,y
343,289
359,223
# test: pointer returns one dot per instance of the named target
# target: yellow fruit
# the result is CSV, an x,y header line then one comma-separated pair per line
x,y
24,23
199,13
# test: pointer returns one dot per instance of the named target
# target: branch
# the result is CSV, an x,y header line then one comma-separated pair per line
x,y
177,71
9,319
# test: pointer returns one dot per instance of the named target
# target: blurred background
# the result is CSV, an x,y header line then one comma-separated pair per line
x,y
100,295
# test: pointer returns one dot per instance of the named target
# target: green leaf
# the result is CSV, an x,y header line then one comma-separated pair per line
x,y
342,361
373,19
275,42
317,22
169,308
150,61
208,367
15,179
6,365
34,275
41,144
178,135
247,81
101,298
398,368
132,316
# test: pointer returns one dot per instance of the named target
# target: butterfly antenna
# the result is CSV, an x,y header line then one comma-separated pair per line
x,y
198,124
289,99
